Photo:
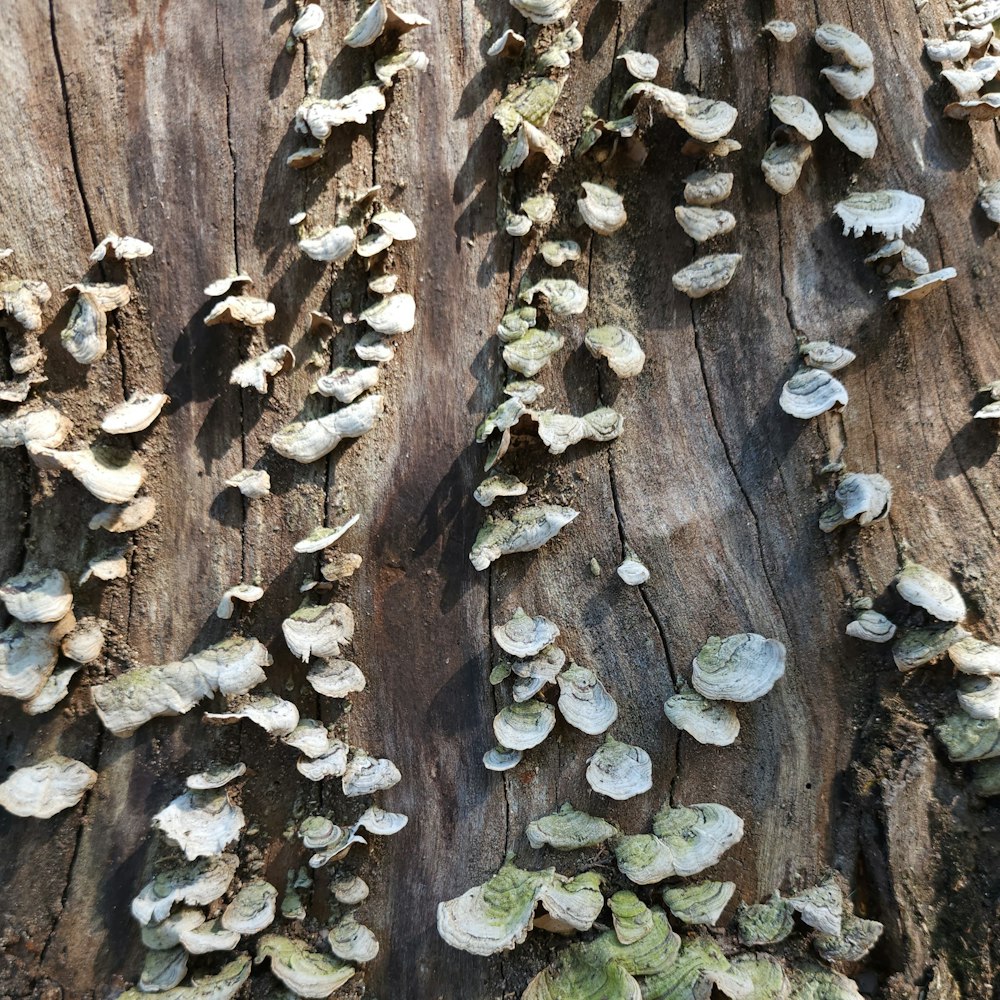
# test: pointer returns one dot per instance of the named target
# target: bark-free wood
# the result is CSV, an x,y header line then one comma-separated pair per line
x,y
172,121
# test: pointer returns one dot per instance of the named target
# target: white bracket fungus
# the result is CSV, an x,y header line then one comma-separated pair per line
x,y
366,775
619,770
248,593
352,942
855,131
323,537
305,972
27,658
46,788
274,715
310,440
641,65
822,354
569,830
973,656
632,570
252,909
110,474
544,11
705,188
740,668
524,636
40,428
330,245
318,117
528,528
510,45
524,725
254,373
710,722
872,627
584,701
704,224
498,486
22,299
382,17
798,114
244,310
810,392
135,414
851,83
864,497
37,595
764,923
967,739
86,333
707,274
844,44
122,247
222,286
922,285
619,346
602,209
336,678
201,823
318,630
252,483
563,297
888,213
781,31
782,165
215,776
821,906
701,903
196,883
926,589
346,384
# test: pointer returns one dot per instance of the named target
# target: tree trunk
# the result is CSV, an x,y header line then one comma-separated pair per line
x,y
171,121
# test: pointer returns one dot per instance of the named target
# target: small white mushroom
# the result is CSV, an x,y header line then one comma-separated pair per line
x,y
254,373
862,497
350,890
855,131
308,22
707,274
810,392
86,333
248,593
305,972
740,668
46,788
524,725
584,701
222,286
499,486
710,722
632,570
366,775
619,346
393,315
243,310
83,644
527,529
201,823
27,659
380,17
641,65
619,771
216,776
317,116
510,44
826,356
330,245
530,353
311,440
318,630
946,49
798,114
323,537
602,209
872,627
252,483
926,589
501,759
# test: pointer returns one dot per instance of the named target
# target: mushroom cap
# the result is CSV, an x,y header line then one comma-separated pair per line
x,y
584,701
305,972
46,788
710,722
855,131
524,636
524,725
782,165
797,113
887,213
37,595
200,823
845,44
601,208
871,626
619,346
569,830
707,274
619,770
810,392
926,589
697,836
699,902
741,668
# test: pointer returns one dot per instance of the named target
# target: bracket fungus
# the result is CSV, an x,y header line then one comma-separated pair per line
x,y
336,678
922,285
193,883
979,697
37,595
247,593
543,11
584,701
216,776
555,253
862,497
39,428
844,44
310,440
41,790
135,414
989,200
121,247
274,715
822,354
329,245
252,483
509,44
918,646
924,588
601,208
524,725
855,131
255,372
740,668
705,188
568,829
22,299
821,906
887,213
323,537
27,659
392,315
497,916
856,939
973,656
346,384
798,114
529,354
619,770
641,65
491,488
305,972
619,346
527,529
782,165
704,224
632,571
201,823
501,759
243,310
967,739
352,942
563,297
318,117
113,475
699,903
781,31
707,274
710,722
318,630
810,392
366,775
764,923
86,333
524,636
872,627
381,17
350,890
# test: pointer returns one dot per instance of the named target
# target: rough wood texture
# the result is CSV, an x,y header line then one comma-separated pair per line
x,y
172,121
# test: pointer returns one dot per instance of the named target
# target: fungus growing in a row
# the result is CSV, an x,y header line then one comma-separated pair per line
x,y
710,722
121,248
740,668
558,431
318,116
563,296
782,165
862,497
27,659
201,823
392,315
41,790
527,529
524,636
142,693
113,475
135,414
329,245
979,697
274,715
252,483
86,333
707,274
308,21
497,916
310,440
619,770
810,392
855,131
366,775
350,890
700,903
685,841
568,829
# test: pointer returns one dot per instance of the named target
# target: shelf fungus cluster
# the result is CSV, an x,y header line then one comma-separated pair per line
x,y
21,302
970,59
537,664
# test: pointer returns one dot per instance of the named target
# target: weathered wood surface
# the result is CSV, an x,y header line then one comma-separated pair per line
x,y
172,120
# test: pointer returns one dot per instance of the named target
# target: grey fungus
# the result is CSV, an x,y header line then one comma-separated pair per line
x,y
201,823
825,355
888,213
810,392
330,245
765,923
256,371
641,65
501,759
782,165
568,829
922,285
529,354
601,208
557,52
318,116
366,774
584,702
336,678
856,939
526,529
975,657
619,347
350,890
714,723
22,299
798,114
619,770
37,595
740,668
981,108
989,200
309,20
318,630
493,487
872,627
323,537
707,274
632,571
215,776
855,131
306,973
821,906
241,310
524,636
979,697
274,715
524,725
699,903
946,49
86,333
563,296
555,253
918,646
706,188
543,11
193,883
861,497
967,739
845,45
41,790
851,83
352,941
